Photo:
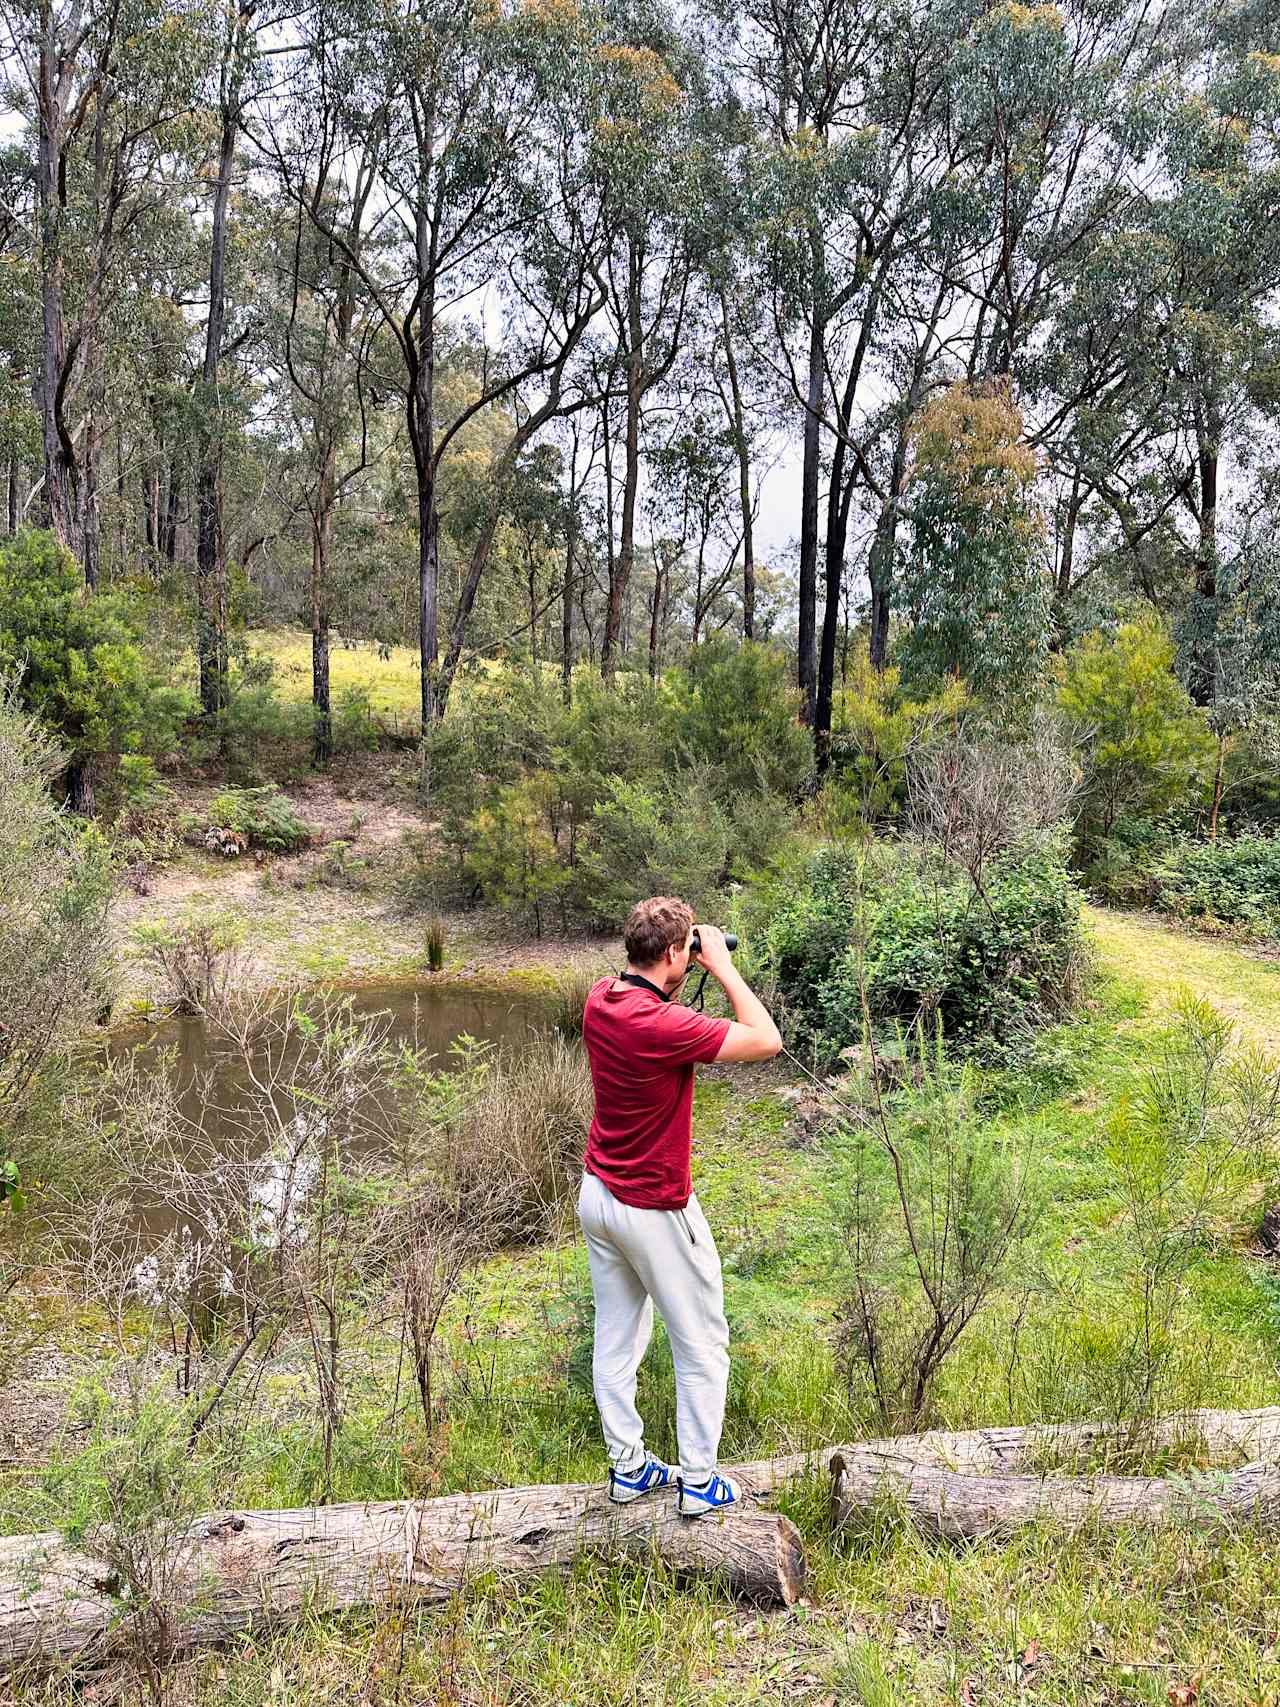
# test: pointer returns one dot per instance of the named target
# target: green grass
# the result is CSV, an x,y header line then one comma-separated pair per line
x,y
1161,959
1116,1617
392,681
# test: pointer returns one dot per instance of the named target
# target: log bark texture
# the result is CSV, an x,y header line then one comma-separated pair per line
x,y
954,1506
1242,1435
248,1571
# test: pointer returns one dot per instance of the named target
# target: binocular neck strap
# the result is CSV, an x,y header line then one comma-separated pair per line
x,y
644,984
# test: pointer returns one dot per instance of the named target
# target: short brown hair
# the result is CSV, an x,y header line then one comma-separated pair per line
x,y
654,926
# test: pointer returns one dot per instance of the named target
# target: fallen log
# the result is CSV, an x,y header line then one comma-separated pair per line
x,y
955,1506
250,1571
1005,1451
245,1572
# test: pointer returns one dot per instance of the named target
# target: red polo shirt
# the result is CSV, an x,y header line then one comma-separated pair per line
x,y
642,1052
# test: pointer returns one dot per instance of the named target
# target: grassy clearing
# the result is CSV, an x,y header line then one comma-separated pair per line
x,y
1160,959
390,676
1107,1618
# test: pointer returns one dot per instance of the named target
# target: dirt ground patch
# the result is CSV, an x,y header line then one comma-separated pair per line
x,y
334,911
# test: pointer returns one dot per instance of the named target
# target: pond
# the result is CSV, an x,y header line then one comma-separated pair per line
x,y
218,1090
427,1017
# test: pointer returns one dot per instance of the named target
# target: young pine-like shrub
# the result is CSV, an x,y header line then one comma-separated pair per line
x,y
512,855
1142,745
668,837
736,711
1190,1154
936,1207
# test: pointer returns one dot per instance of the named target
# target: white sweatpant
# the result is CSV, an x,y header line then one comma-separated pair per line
x,y
667,1257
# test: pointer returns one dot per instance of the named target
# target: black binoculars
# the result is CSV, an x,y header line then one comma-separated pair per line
x,y
730,942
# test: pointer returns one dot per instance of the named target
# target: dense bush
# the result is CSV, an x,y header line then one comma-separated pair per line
x,y
736,711
923,944
1143,747
632,789
664,837
260,817
78,662
878,728
1233,880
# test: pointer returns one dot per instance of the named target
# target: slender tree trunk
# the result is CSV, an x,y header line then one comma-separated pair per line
x,y
585,614
744,479
150,510
655,615
14,493
90,520
884,545
173,499
620,583
1202,673
59,493
211,596
838,501
1066,564
320,537
531,583
428,596
122,499
566,596
807,662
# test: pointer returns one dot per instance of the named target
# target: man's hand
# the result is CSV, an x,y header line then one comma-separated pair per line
x,y
713,953
752,1035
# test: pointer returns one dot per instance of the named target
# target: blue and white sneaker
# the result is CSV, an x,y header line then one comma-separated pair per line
x,y
715,1495
650,1478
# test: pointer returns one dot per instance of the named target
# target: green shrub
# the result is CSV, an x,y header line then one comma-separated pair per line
x,y
1235,880
877,729
925,946
77,661
264,817
935,1208
631,789
512,855
1143,746
144,814
668,837
737,714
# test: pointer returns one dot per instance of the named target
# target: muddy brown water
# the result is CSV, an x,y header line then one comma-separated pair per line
x,y
214,1088
423,1016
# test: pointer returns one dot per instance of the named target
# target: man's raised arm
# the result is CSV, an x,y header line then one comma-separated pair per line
x,y
752,1035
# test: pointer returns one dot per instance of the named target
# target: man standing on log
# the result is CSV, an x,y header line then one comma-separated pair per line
x,y
648,1241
